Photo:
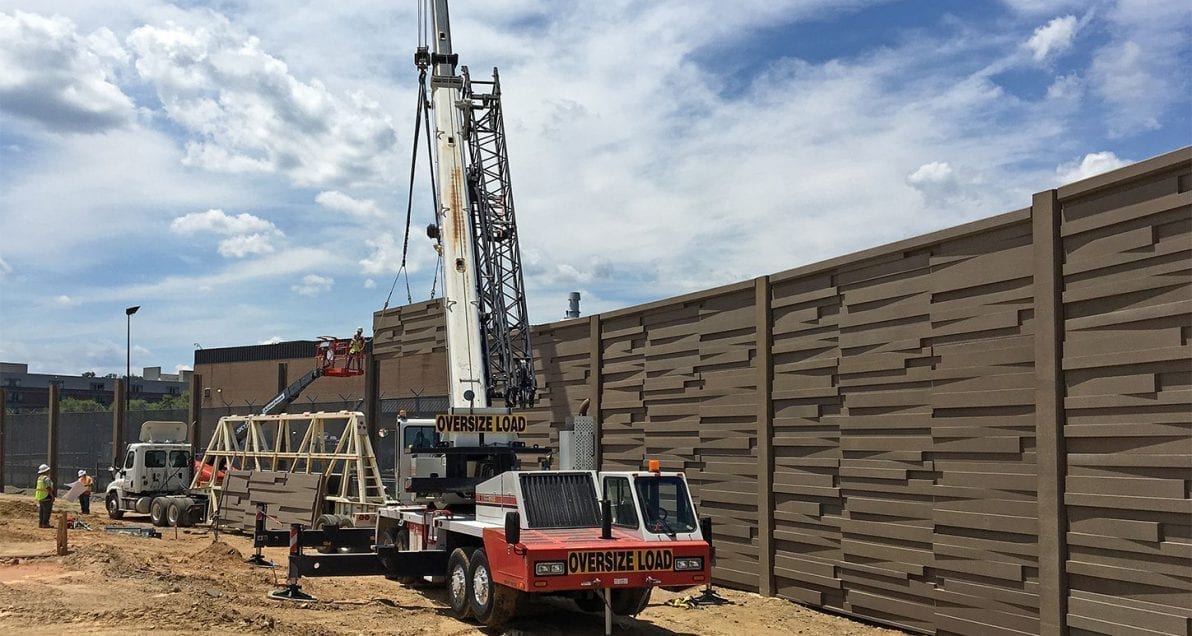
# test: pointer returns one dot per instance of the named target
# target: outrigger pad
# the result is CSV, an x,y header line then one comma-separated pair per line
x,y
258,561
291,593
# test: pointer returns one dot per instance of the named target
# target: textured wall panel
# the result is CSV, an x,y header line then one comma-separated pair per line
x,y
1127,370
908,481
678,386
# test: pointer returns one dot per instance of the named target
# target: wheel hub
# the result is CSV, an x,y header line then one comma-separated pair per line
x,y
480,586
459,582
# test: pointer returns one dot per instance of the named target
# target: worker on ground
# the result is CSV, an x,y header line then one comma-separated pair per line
x,y
356,349
85,498
44,496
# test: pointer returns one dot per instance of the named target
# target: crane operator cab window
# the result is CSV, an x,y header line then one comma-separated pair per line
x,y
620,496
666,508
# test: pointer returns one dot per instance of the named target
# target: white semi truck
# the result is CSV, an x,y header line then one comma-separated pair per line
x,y
154,478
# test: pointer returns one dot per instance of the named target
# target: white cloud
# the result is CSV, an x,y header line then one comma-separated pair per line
x,y
1093,163
5,268
273,340
59,78
313,285
63,300
369,283
220,222
935,172
1123,79
245,112
385,256
247,234
1038,7
1054,37
245,244
336,200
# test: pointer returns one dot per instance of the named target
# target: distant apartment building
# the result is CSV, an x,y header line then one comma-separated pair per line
x,y
25,391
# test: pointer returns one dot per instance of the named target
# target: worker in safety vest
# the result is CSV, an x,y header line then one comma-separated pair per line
x,y
44,496
356,349
85,498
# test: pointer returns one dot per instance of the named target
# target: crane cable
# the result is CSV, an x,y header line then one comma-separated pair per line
x,y
421,115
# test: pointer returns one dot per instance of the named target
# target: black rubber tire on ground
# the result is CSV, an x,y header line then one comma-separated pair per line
x,y
630,601
113,505
175,513
326,521
157,511
589,602
491,603
459,584
399,536
185,518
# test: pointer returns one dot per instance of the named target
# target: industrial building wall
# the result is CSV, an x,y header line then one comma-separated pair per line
x,y
983,430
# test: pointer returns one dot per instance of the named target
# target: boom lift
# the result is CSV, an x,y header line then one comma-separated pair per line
x,y
494,529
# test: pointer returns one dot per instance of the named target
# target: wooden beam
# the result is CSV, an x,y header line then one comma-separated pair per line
x,y
118,424
52,441
195,416
3,433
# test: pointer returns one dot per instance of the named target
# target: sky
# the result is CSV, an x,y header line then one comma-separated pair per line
x,y
240,170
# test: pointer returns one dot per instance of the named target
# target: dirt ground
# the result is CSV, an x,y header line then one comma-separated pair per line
x,y
187,582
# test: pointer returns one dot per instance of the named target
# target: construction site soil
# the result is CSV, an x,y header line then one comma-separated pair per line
x,y
188,582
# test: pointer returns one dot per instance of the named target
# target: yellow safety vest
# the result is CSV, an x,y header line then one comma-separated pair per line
x,y
357,345
44,486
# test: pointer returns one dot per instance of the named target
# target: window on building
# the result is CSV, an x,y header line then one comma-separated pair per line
x,y
136,388
97,386
12,382
173,390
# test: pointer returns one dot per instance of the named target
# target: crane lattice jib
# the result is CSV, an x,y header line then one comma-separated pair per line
x,y
504,318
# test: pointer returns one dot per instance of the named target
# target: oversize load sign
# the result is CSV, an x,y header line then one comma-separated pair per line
x,y
480,423
619,561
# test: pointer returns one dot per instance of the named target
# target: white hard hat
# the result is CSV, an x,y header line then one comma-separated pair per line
x,y
82,472
43,469
359,328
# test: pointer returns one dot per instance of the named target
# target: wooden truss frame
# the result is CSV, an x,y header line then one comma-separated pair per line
x,y
265,442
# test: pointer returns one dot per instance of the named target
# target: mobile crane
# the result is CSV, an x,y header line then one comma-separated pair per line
x,y
494,524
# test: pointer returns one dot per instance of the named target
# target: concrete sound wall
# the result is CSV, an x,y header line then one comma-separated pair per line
x,y
982,430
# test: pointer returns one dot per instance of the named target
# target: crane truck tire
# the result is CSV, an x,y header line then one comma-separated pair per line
x,y
459,584
490,602
630,601
589,602
399,537
157,511
112,503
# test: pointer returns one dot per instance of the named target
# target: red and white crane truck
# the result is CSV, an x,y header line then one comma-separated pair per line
x,y
487,516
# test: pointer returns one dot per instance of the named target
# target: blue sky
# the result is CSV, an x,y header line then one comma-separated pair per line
x,y
239,169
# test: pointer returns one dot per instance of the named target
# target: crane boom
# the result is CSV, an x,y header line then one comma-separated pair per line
x,y
465,347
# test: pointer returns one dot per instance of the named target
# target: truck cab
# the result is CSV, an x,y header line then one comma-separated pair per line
x,y
655,504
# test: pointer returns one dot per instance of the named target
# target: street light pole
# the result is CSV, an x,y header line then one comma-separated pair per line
x,y
128,312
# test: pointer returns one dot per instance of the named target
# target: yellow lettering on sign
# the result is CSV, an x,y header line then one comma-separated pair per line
x,y
480,423
595,562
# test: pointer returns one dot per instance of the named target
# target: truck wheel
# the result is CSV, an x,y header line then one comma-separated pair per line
x,y
459,584
399,536
174,513
185,519
157,511
589,602
491,603
113,504
630,601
